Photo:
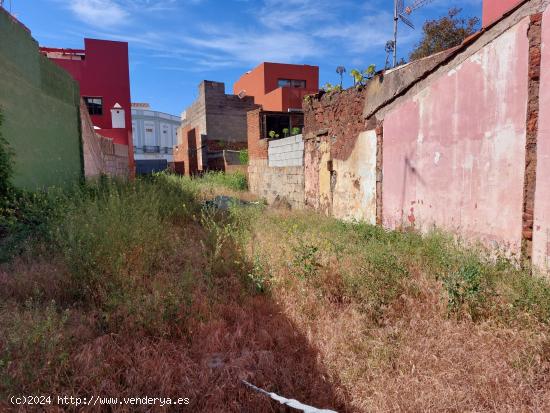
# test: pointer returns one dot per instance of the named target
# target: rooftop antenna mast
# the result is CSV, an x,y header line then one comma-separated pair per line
x,y
399,13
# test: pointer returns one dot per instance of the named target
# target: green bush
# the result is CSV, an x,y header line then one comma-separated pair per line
x,y
6,164
243,157
468,287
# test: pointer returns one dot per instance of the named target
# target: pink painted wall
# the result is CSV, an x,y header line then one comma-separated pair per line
x,y
495,9
454,153
541,234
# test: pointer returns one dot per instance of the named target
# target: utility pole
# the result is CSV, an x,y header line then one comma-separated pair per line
x,y
395,21
399,12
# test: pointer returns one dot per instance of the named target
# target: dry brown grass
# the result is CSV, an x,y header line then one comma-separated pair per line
x,y
335,316
414,356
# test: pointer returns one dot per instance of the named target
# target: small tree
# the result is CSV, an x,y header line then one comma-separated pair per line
x,y
444,33
361,78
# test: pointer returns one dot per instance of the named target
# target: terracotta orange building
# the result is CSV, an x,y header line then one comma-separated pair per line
x,y
279,87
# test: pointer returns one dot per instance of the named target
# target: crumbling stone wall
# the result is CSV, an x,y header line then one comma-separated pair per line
x,y
338,181
337,115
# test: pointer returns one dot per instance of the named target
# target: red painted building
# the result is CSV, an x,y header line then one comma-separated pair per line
x,y
277,86
495,9
102,71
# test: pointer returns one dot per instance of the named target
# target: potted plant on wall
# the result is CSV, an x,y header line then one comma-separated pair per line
x,y
273,135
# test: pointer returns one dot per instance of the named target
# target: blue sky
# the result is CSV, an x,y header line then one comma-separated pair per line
x,y
174,44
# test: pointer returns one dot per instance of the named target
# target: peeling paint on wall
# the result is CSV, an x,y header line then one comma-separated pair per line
x,y
325,192
454,153
354,196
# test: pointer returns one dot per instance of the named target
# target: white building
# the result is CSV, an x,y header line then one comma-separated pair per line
x,y
155,134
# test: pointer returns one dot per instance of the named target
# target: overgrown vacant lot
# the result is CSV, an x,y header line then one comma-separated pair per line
x,y
132,290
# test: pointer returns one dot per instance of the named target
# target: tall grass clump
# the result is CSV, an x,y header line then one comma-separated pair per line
x,y
114,233
236,181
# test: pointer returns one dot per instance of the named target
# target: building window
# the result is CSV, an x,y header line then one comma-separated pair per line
x,y
292,83
283,83
150,130
95,105
299,84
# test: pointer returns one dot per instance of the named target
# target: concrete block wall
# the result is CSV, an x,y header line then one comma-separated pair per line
x,y
286,152
271,183
225,114
215,121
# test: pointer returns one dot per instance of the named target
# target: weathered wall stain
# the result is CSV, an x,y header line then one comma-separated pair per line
x,y
461,144
454,152
354,195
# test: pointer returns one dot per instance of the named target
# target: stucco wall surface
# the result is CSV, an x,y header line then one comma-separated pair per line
x,y
454,153
354,193
541,228
40,107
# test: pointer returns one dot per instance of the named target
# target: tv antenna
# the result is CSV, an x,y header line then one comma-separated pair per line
x,y
399,13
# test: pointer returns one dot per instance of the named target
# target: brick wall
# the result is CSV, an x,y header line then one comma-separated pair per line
x,y
257,147
214,122
226,114
190,150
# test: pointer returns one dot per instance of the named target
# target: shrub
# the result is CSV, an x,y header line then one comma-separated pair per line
x,y
6,164
243,157
305,263
467,287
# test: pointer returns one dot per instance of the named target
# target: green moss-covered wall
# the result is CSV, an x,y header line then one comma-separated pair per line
x,y
40,107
